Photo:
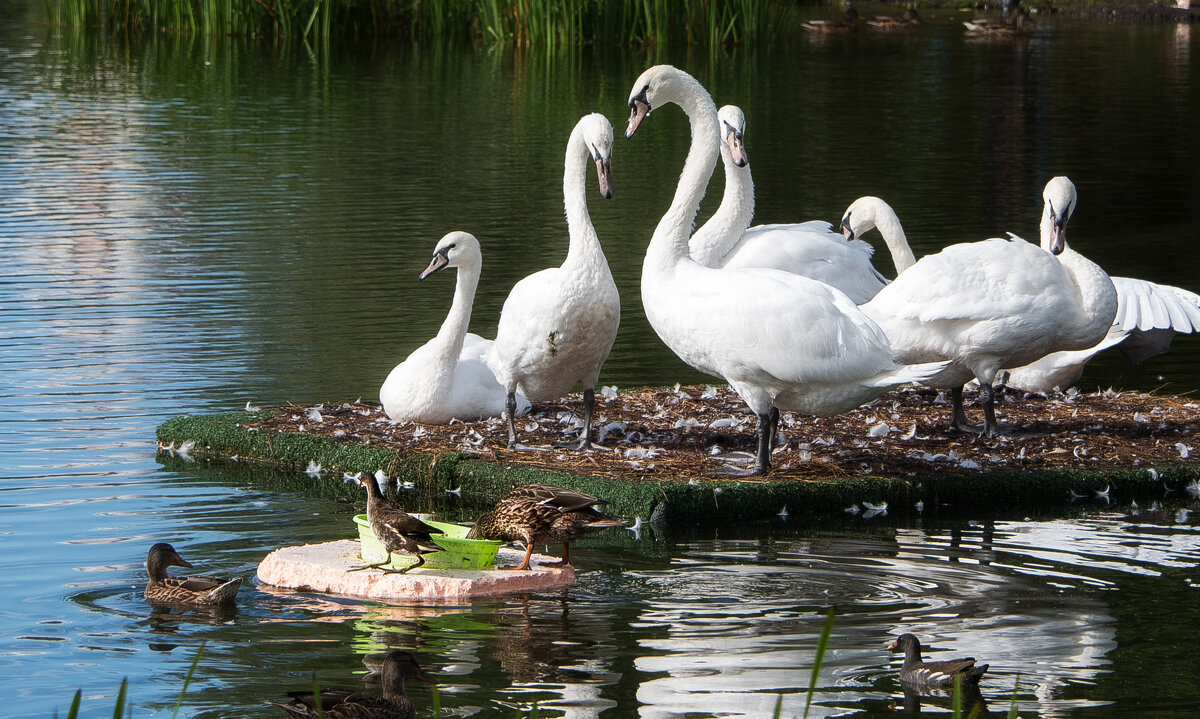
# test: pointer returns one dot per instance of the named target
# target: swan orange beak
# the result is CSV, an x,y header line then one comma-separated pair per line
x,y
440,261
638,110
847,231
737,148
605,177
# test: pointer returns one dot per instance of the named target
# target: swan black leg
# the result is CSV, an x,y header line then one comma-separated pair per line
x,y
989,408
766,437
510,408
958,416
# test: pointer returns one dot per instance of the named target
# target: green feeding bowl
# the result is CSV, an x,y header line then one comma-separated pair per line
x,y
458,551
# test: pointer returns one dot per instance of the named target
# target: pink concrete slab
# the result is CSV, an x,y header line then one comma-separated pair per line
x,y
323,568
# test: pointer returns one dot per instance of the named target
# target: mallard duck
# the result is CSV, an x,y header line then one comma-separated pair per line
x,y
540,513
198,591
933,674
848,23
908,20
398,531
1015,24
398,666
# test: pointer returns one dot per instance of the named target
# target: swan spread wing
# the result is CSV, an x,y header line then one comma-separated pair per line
x,y
1143,305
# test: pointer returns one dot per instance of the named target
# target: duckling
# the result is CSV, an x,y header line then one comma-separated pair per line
x,y
398,531
541,513
848,23
398,666
933,674
907,21
201,591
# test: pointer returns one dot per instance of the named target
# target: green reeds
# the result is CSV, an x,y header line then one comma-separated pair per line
x,y
523,23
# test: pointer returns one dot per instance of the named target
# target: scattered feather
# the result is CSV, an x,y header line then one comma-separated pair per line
x,y
919,506
783,513
314,469
874,510
252,408
636,528
852,509
1184,450
879,430
314,416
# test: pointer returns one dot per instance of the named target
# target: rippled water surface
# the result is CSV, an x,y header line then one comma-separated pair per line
x,y
191,223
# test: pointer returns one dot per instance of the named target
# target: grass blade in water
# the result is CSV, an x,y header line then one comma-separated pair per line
x,y
822,643
188,680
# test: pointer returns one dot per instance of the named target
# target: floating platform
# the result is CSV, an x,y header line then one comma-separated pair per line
x,y
325,568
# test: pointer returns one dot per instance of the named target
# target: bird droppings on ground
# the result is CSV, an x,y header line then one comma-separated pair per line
x,y
698,432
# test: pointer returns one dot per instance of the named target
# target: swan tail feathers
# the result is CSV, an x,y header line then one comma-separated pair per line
x,y
909,373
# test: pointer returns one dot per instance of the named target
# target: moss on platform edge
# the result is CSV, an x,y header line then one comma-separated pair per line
x,y
224,436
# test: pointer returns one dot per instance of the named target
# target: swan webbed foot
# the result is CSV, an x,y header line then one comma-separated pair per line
x,y
522,447
583,444
731,470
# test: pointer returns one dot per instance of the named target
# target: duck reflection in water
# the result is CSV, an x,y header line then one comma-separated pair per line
x,y
398,666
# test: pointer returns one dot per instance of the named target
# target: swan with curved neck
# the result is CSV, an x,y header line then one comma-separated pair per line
x,y
997,303
809,248
558,325
870,213
446,377
781,341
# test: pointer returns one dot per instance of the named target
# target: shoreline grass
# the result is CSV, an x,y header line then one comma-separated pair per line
x,y
521,23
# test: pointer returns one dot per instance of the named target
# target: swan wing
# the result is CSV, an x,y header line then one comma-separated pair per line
x,y
813,250
1143,305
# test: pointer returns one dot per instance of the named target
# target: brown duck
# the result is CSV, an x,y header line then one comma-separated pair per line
x,y
541,513
200,591
398,666
933,674
398,531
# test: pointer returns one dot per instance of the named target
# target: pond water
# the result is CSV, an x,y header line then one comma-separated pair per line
x,y
190,223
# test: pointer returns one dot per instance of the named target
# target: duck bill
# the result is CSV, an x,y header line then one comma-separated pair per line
x,y
179,561
605,177
893,645
638,110
439,262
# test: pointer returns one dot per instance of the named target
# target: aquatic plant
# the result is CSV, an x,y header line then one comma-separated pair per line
x,y
541,23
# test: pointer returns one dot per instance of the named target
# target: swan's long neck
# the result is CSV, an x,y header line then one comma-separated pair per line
x,y
584,244
669,245
717,237
454,328
893,236
1097,296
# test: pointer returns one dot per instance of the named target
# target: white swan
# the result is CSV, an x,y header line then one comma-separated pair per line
x,y
780,340
558,325
869,213
997,303
1148,317
446,378
811,249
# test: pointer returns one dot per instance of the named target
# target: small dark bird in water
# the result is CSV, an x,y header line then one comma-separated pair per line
x,y
398,666
541,513
201,591
848,23
398,531
933,674
908,20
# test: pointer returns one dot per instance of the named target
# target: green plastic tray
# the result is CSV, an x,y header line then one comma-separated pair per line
x,y
458,551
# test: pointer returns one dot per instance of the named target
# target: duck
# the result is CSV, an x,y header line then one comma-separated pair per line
x,y
398,666
999,303
542,514
1015,24
782,341
200,591
558,325
398,531
848,24
811,249
907,21
1149,315
447,378
934,674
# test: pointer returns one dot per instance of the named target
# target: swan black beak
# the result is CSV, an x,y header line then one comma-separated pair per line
x,y
639,108
737,148
440,261
605,177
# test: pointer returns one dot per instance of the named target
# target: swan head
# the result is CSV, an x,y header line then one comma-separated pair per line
x,y
456,249
733,127
1059,198
657,86
598,135
860,217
